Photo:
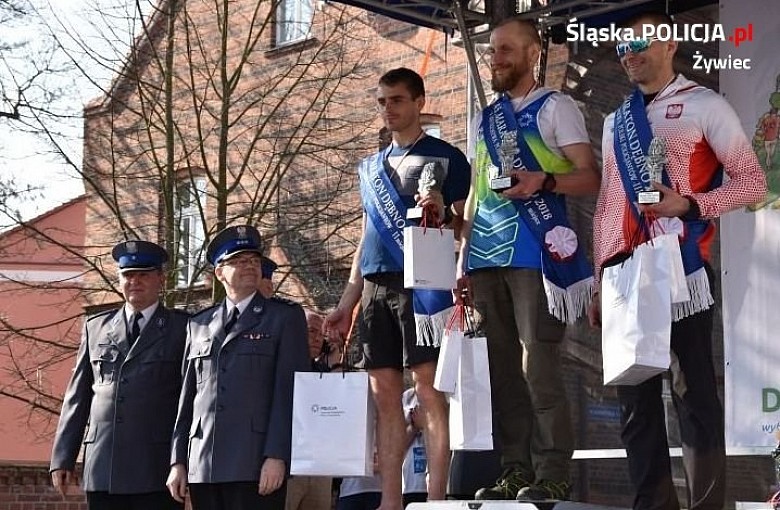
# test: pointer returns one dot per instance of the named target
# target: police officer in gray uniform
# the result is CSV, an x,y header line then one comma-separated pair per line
x,y
124,391
232,437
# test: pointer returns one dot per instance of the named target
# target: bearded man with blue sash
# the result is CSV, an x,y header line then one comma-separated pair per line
x,y
703,139
401,327
525,268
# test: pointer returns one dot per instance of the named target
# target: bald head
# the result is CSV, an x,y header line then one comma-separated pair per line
x,y
526,29
313,316
314,322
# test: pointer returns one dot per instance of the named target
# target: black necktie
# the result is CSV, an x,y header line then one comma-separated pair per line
x,y
232,320
135,331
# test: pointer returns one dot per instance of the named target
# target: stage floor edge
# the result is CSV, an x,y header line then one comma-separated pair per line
x,y
509,505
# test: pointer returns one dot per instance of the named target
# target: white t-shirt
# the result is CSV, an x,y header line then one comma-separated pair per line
x,y
415,467
560,121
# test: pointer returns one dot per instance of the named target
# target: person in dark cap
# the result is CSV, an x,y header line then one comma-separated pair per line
x,y
124,391
266,285
231,441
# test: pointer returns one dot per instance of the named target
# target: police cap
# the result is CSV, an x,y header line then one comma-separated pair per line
x,y
139,256
232,241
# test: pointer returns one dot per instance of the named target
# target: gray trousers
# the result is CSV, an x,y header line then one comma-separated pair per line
x,y
532,418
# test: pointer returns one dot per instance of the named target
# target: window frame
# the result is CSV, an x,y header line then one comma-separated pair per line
x,y
193,253
293,28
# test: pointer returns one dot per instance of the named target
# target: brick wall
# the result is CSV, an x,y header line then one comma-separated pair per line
x,y
310,191
29,488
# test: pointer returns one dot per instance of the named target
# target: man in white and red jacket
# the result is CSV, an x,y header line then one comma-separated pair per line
x,y
704,140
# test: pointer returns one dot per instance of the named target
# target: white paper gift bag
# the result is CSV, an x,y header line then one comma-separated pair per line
x,y
429,258
447,365
471,412
636,316
333,425
679,284
448,361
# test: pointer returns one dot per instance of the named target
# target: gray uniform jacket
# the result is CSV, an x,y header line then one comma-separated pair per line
x,y
127,398
236,401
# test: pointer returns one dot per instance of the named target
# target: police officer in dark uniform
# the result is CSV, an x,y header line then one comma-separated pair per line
x,y
124,391
232,437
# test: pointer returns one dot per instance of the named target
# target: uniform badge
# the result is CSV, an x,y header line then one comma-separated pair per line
x,y
241,232
132,247
160,322
257,309
256,336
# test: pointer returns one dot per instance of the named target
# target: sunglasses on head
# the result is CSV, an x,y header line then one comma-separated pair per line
x,y
634,46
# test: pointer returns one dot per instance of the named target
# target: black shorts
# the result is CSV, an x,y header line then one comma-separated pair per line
x,y
387,331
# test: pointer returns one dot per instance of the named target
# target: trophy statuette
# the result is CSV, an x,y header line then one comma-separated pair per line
x,y
431,179
503,179
654,163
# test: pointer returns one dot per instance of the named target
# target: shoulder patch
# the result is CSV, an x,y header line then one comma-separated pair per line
x,y
285,301
179,311
205,310
102,314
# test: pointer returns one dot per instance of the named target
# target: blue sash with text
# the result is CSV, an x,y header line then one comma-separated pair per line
x,y
387,213
631,140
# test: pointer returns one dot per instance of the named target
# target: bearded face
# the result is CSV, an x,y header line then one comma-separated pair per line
x,y
512,59
505,77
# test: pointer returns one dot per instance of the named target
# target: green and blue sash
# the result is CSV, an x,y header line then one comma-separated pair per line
x,y
387,213
567,275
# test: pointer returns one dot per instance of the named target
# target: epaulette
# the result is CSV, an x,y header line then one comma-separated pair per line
x,y
285,301
205,310
102,314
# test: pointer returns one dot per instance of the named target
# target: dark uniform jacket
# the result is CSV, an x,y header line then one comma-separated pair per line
x,y
126,398
236,402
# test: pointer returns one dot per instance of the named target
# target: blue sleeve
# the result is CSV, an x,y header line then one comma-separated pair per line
x,y
456,185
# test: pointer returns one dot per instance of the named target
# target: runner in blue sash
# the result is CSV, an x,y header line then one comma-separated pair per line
x,y
704,139
525,265
394,315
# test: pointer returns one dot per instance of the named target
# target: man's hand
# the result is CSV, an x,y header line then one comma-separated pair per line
x,y
462,292
61,479
177,482
418,418
434,201
338,322
528,183
271,476
672,204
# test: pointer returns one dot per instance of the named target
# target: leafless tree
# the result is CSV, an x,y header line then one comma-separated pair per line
x,y
209,121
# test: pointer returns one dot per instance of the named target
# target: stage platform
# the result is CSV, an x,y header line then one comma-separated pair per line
x,y
508,505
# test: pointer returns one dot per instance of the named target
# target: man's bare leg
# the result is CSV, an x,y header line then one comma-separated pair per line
x,y
387,386
436,433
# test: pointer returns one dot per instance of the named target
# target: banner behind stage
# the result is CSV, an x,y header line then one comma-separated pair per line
x,y
750,239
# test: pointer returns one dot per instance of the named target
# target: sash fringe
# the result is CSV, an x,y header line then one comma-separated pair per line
x,y
430,328
701,296
567,305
